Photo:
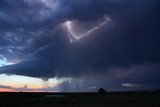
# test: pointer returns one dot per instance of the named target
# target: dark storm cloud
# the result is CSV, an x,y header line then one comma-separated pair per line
x,y
30,29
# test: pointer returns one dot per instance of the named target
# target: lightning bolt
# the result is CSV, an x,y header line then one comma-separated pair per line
x,y
73,36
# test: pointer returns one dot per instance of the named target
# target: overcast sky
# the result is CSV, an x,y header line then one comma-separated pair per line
x,y
121,52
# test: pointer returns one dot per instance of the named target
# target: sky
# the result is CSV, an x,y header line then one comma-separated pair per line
x,y
79,45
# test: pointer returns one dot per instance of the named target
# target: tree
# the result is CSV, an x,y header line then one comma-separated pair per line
x,y
102,91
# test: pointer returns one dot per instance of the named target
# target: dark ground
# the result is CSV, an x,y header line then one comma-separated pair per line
x,y
114,99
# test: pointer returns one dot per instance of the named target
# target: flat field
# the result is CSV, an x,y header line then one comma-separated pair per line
x,y
111,99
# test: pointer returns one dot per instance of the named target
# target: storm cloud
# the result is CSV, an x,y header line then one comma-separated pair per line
x,y
32,37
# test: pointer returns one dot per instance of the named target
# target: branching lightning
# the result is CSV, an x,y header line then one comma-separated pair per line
x,y
73,36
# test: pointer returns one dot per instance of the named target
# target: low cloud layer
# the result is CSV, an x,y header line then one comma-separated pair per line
x,y
34,40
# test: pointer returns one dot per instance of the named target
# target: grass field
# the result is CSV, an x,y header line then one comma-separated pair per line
x,y
112,99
